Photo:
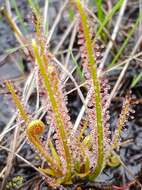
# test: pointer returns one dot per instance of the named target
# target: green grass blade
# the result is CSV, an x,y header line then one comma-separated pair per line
x,y
136,80
131,32
34,5
78,69
20,17
108,17
99,4
71,14
13,50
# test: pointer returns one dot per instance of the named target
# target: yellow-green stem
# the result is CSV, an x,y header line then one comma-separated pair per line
x,y
97,94
59,121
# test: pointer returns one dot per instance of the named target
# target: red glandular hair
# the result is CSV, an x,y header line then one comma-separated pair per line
x,y
59,95
90,111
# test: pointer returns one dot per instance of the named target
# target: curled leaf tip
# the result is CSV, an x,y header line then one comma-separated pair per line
x,y
36,127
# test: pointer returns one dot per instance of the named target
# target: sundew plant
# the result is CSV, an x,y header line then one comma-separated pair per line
x,y
70,153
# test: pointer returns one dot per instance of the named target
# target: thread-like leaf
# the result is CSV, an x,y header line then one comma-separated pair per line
x,y
122,121
54,153
17,102
58,117
34,130
97,94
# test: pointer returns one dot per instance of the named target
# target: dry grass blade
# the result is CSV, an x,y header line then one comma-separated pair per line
x,y
24,160
56,22
114,34
72,78
11,156
8,127
119,66
65,35
114,91
73,36
45,21
127,169
71,44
